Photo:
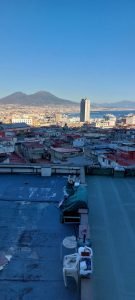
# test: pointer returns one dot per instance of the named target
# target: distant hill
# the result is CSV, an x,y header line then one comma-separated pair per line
x,y
45,98
37,99
125,104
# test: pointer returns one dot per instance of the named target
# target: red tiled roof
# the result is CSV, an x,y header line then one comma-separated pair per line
x,y
14,158
75,136
43,161
5,139
33,145
121,161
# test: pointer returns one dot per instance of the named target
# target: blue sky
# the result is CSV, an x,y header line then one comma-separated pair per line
x,y
72,48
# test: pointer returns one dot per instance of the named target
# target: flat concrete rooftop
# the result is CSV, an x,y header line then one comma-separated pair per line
x,y
31,233
112,220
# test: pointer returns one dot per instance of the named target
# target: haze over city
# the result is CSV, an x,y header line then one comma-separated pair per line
x,y
70,48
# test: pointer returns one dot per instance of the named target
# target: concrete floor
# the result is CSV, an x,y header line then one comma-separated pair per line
x,y
30,232
112,220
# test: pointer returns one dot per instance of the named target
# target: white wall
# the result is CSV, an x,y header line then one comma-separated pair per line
x,y
106,162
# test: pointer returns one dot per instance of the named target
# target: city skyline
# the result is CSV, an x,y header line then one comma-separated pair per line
x,y
70,48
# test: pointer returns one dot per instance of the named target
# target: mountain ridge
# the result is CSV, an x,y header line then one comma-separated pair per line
x,y
40,98
118,104
37,99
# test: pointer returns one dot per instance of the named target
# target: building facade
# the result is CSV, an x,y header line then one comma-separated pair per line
x,y
58,117
130,119
27,120
85,110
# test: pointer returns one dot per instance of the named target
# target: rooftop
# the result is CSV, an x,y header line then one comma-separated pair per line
x,y
15,158
33,145
14,126
112,223
66,150
125,162
31,235
127,148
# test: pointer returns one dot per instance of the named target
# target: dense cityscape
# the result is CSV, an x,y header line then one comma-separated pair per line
x,y
52,135
58,162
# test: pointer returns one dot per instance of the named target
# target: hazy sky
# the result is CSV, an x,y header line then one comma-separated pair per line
x,y
72,48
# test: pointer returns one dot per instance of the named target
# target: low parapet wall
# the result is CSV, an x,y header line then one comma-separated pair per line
x,y
65,170
99,171
37,169
129,172
19,169
49,170
110,172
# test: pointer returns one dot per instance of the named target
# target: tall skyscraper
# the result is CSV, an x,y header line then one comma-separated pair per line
x,y
85,110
